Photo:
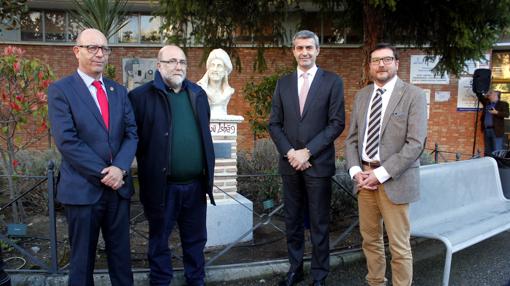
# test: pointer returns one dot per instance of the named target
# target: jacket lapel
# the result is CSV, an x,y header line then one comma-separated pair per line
x,y
396,95
294,95
83,93
312,92
114,106
363,111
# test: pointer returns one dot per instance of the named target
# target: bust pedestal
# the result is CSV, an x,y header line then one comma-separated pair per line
x,y
228,220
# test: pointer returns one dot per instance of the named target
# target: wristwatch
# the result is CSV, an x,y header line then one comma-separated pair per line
x,y
124,173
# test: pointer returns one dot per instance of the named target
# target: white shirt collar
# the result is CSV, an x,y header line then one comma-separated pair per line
x,y
388,87
88,80
311,72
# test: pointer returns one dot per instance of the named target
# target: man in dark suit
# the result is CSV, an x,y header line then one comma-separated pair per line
x,y
493,120
95,131
307,115
388,128
175,165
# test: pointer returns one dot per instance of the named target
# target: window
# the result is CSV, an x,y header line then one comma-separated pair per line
x,y
73,29
150,29
55,24
501,73
31,27
131,32
60,26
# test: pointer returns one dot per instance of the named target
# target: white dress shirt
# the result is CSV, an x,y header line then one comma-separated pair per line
x,y
380,172
311,74
93,91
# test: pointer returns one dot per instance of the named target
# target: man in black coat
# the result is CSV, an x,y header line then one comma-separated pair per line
x,y
175,165
493,120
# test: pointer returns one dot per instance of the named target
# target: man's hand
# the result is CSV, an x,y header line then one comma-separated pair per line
x,y
493,111
358,178
304,166
113,177
298,159
369,181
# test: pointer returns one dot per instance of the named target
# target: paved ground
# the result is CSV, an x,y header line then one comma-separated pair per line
x,y
484,264
487,263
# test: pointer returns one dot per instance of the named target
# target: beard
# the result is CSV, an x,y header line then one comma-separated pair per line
x,y
174,80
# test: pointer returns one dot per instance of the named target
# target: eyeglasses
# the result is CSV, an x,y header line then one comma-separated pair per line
x,y
385,60
173,62
94,49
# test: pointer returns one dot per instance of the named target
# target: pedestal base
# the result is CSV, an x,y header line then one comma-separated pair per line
x,y
229,220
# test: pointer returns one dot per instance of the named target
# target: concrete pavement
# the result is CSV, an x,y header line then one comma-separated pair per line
x,y
486,263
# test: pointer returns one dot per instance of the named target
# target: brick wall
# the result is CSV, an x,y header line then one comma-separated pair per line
x,y
452,130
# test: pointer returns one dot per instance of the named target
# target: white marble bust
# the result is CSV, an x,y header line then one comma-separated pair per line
x,y
215,82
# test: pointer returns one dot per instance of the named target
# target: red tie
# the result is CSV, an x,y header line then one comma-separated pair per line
x,y
103,102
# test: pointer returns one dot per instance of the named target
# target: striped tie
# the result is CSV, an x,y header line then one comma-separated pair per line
x,y
374,124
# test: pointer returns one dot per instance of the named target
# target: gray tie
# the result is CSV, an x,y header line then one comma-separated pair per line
x,y
374,124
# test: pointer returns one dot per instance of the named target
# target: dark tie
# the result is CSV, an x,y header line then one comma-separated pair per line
x,y
103,102
374,124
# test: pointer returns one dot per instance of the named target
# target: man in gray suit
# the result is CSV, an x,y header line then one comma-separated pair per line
x,y
387,134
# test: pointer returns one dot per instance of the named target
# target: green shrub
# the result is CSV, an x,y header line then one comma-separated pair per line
x,y
264,182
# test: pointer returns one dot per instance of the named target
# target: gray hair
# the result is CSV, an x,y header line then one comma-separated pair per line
x,y
306,34
221,55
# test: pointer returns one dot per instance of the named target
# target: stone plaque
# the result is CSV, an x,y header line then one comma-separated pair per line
x,y
223,150
223,129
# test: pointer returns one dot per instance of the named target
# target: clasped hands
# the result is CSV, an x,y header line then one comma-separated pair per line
x,y
366,180
113,177
298,159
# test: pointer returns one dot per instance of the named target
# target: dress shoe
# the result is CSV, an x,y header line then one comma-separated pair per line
x,y
293,278
318,283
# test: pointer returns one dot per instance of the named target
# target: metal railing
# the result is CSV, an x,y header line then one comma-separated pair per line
x,y
262,218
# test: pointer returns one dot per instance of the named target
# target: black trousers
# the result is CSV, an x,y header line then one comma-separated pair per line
x,y
299,191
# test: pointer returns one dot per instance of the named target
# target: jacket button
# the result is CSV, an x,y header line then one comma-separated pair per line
x,y
166,134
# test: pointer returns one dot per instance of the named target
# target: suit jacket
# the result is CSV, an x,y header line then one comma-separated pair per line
x,y
498,120
402,138
86,145
323,120
154,121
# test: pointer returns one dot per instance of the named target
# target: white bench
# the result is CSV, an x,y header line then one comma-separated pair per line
x,y
461,204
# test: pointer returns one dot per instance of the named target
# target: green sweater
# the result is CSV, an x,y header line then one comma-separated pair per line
x,y
186,153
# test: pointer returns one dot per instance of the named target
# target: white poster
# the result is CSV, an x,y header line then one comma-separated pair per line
x,y
421,71
442,96
466,98
137,71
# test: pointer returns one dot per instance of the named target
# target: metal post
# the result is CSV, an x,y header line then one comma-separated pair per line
x,y
436,153
457,156
51,214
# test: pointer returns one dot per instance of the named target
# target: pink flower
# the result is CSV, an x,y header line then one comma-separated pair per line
x,y
11,50
16,66
42,96
15,106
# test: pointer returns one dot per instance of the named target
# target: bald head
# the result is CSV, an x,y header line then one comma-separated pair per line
x,y
87,35
167,50
172,66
